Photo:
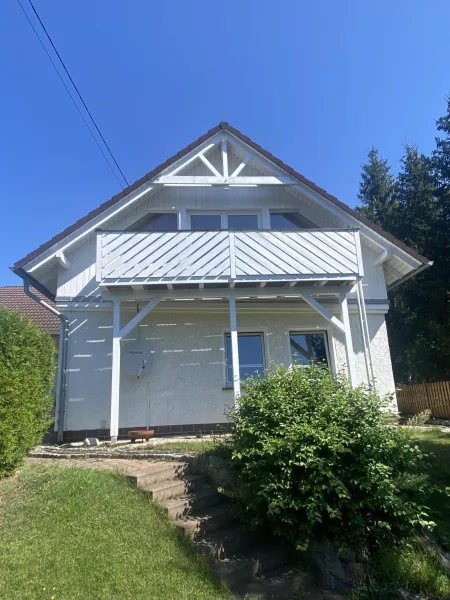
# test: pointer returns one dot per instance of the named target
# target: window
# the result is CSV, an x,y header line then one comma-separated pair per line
x,y
309,347
206,222
216,221
242,221
156,222
251,356
289,221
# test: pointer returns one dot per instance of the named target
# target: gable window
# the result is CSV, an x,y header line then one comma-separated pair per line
x,y
242,221
212,222
289,221
216,221
309,347
251,356
156,222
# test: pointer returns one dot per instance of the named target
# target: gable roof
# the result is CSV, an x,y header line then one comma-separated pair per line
x,y
223,126
14,298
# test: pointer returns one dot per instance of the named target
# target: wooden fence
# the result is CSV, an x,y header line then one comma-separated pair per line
x,y
413,399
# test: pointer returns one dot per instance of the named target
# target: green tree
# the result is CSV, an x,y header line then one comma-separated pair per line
x,y
417,321
415,207
376,190
441,162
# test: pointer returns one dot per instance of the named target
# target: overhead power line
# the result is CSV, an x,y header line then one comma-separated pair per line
x,y
76,90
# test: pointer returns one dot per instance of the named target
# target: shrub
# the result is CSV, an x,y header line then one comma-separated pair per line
x,y
317,457
27,370
419,419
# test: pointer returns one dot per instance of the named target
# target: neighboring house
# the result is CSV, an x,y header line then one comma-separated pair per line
x,y
219,263
15,298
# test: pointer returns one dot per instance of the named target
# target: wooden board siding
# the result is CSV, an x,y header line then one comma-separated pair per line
x,y
80,280
202,256
413,399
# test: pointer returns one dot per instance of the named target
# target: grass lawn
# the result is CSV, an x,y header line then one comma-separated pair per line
x,y
412,566
217,448
433,441
69,534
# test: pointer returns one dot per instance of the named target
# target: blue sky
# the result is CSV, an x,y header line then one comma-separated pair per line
x,y
316,83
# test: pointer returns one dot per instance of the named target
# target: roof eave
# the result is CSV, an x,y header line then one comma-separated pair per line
x,y
410,275
20,272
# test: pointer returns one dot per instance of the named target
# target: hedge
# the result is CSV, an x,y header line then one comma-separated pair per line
x,y
27,373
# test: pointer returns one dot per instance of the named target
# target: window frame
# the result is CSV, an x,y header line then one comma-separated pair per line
x,y
328,340
224,217
227,334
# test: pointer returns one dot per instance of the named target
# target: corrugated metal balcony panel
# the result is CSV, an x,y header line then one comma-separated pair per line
x,y
224,256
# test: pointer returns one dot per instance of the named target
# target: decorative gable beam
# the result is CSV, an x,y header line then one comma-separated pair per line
x,y
190,160
225,157
211,167
210,180
62,260
246,160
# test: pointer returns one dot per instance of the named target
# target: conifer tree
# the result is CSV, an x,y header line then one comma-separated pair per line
x,y
376,189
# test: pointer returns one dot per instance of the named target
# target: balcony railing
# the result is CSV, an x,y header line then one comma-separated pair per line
x,y
227,257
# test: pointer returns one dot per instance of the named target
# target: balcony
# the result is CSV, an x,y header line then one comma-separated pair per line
x,y
210,259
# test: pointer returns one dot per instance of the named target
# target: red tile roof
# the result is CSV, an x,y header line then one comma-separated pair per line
x,y
14,297
152,174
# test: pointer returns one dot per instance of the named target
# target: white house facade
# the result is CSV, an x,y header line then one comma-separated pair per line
x,y
221,263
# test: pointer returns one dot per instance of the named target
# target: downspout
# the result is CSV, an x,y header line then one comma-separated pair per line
x,y
365,334
61,383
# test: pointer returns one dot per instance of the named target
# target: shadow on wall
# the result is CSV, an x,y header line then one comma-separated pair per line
x,y
187,361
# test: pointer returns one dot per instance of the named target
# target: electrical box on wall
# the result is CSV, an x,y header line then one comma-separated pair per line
x,y
136,359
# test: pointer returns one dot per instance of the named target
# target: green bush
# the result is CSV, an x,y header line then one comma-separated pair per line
x,y
27,371
317,457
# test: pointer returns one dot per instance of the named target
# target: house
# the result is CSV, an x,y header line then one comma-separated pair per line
x,y
15,298
216,265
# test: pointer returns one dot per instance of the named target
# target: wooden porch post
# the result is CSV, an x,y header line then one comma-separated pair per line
x,y
115,377
235,349
348,341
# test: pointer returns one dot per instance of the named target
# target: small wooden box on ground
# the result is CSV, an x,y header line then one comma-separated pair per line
x,y
141,434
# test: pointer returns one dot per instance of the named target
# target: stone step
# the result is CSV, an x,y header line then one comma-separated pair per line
x,y
253,562
158,471
269,556
173,488
181,507
279,583
222,543
233,572
203,522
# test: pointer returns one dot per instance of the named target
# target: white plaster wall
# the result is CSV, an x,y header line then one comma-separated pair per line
x,y
187,373
381,356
